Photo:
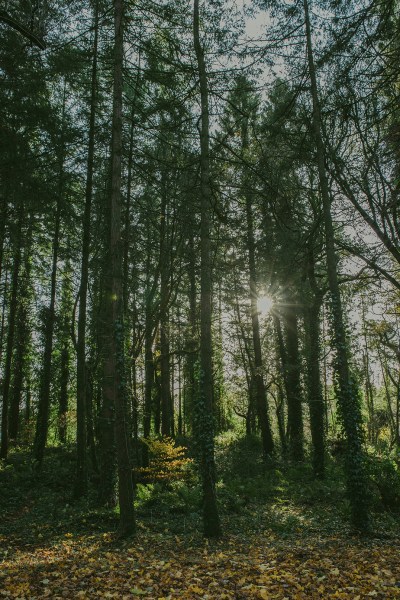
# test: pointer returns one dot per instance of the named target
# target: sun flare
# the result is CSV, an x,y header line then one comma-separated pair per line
x,y
264,304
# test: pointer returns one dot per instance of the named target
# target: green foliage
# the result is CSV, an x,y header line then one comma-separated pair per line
x,y
241,456
178,497
385,475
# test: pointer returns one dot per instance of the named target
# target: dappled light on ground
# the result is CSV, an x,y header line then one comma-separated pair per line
x,y
165,566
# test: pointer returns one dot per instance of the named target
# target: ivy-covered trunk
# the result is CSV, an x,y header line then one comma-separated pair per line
x,y
114,385
347,393
314,385
204,409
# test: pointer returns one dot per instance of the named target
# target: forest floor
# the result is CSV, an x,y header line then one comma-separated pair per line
x,y
285,536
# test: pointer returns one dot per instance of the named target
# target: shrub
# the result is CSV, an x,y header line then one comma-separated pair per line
x,y
384,473
167,462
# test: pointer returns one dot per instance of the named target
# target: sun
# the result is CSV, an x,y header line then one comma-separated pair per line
x,y
264,303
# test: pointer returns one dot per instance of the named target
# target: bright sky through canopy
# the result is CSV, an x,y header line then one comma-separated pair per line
x,y
264,304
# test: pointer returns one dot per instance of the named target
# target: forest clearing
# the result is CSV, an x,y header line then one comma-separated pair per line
x,y
199,299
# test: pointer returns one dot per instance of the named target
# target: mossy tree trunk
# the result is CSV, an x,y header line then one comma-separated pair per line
x,y
204,408
347,392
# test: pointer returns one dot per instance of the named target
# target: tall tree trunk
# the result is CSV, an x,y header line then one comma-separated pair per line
x,y
149,369
205,429
258,378
22,343
180,410
369,393
3,312
42,421
314,384
114,387
165,368
3,220
191,390
293,391
65,319
348,397
11,331
81,366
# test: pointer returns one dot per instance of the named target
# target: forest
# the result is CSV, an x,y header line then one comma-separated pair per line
x,y
200,299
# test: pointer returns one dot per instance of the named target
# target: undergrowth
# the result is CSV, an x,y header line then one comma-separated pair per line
x,y
277,497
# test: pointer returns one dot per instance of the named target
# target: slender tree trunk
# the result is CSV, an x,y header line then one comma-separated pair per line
x,y
248,365
282,360
149,378
42,422
81,366
180,411
348,397
258,378
205,429
11,331
3,312
369,394
191,390
165,367
22,341
90,430
114,387
280,416
65,319
3,220
294,396
63,403
314,385
135,411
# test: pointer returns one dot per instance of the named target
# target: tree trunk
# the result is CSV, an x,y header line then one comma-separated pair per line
x,y
81,366
165,368
314,385
65,319
11,331
258,378
114,386
149,378
22,341
293,390
347,393
205,429
191,391
42,421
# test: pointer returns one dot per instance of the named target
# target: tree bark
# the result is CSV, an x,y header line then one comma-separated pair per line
x,y
347,394
22,341
314,384
11,332
81,366
205,429
42,421
114,387
293,389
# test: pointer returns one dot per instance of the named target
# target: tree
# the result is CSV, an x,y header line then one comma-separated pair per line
x,y
204,410
348,397
114,387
